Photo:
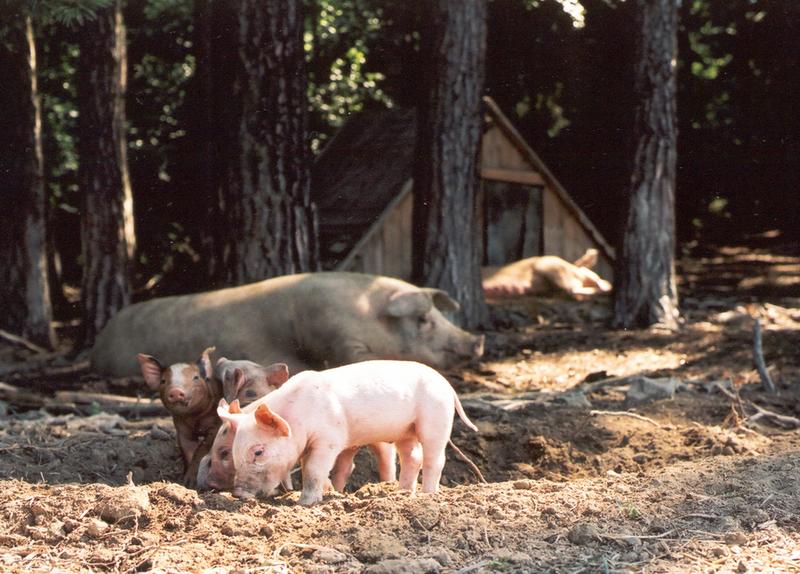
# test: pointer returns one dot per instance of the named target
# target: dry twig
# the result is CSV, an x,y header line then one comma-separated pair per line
x,y
624,414
17,340
466,459
758,357
784,421
597,385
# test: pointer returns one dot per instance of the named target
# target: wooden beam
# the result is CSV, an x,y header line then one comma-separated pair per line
x,y
512,175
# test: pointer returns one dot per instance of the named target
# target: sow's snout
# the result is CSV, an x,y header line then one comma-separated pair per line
x,y
465,347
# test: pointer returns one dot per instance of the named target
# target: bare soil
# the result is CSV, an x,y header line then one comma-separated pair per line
x,y
574,484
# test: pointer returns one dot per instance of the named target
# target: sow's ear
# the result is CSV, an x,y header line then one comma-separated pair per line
x,y
269,420
409,303
204,363
151,370
276,374
588,259
442,301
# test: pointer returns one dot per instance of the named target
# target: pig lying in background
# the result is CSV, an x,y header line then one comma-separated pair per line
x,y
314,319
190,393
542,275
216,470
402,402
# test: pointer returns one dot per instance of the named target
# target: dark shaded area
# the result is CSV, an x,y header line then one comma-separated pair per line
x,y
567,88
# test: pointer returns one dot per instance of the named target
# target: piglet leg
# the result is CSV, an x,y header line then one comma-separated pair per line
x,y
410,452
316,468
385,453
434,440
190,475
343,468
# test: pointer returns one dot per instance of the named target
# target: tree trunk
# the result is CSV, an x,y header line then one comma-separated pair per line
x,y
107,212
446,238
645,291
270,220
24,289
212,128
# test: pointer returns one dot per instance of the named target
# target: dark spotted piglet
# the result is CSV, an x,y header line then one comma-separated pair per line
x,y
190,392
247,381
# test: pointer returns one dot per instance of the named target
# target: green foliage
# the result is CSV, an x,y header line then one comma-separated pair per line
x,y
62,12
562,69
338,40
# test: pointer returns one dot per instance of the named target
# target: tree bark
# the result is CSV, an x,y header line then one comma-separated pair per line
x,y
24,289
270,220
212,127
645,291
107,233
446,248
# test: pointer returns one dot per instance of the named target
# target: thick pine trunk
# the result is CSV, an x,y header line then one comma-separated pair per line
x,y
213,127
107,212
645,291
446,253
24,289
269,219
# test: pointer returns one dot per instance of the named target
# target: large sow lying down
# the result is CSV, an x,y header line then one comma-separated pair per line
x,y
311,320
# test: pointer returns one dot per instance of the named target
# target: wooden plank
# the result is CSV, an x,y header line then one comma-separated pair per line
x,y
397,237
498,152
534,161
527,177
374,229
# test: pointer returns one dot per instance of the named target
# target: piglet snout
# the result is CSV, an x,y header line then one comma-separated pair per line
x,y
176,396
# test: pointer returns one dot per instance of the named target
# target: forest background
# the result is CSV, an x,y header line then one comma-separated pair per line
x,y
562,70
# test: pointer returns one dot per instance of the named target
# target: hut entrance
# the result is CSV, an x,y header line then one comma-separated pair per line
x,y
513,227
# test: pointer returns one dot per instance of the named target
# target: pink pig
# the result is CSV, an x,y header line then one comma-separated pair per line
x,y
216,470
322,416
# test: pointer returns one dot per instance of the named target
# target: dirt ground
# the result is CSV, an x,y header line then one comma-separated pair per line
x,y
684,483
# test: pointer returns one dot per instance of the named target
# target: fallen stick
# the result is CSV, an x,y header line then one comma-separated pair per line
x,y
41,368
470,464
625,414
784,421
597,385
16,339
80,402
758,357
118,404
21,397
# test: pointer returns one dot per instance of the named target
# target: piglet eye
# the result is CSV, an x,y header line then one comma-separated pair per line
x,y
163,381
250,393
223,454
196,378
259,452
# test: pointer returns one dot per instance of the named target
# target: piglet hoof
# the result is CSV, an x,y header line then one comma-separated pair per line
x,y
243,494
310,498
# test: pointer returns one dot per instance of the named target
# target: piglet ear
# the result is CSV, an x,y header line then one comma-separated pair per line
x,y
269,420
151,370
223,411
235,408
204,363
238,380
277,374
